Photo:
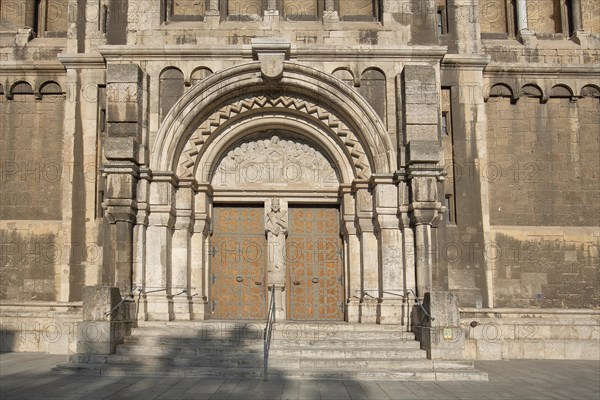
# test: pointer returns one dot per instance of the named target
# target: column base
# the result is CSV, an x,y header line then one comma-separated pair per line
x,y
199,308
280,308
212,19
390,312
353,311
330,17
369,309
581,38
527,37
181,308
158,308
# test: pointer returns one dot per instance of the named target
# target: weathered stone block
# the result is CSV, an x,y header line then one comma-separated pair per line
x,y
421,151
123,73
441,335
98,301
418,75
421,114
121,148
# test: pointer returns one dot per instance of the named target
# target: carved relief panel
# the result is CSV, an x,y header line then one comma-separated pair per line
x,y
272,162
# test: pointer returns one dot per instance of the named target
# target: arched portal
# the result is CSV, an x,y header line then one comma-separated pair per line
x,y
258,184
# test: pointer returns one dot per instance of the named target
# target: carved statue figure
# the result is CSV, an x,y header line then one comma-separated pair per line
x,y
276,227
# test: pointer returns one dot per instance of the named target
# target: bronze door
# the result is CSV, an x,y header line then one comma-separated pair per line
x,y
314,264
238,268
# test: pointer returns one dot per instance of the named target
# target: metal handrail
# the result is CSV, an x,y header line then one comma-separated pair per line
x,y
268,332
417,302
130,295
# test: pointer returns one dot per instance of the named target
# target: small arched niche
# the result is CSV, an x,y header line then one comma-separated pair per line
x,y
373,89
171,89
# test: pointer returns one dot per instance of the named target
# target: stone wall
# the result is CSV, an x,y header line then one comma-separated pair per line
x,y
543,161
590,10
543,177
31,171
45,327
545,267
505,333
31,166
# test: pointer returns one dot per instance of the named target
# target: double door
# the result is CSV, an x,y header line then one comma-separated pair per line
x,y
239,257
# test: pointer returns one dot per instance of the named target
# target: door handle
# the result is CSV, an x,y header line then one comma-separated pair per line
x,y
258,283
239,279
315,280
297,283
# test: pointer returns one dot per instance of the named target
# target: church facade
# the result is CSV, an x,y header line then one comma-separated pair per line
x,y
345,157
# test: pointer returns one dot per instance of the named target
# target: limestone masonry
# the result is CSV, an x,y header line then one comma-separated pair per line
x,y
432,165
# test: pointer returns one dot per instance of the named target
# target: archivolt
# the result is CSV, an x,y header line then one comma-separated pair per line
x,y
267,103
303,91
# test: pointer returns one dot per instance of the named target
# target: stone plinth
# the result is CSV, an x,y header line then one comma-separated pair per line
x,y
107,319
441,335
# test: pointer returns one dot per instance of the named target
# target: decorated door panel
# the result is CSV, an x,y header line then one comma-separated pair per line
x,y
238,268
314,264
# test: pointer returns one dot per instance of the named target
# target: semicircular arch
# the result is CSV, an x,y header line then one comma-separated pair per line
x,y
302,90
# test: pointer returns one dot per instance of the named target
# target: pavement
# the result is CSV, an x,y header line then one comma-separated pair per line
x,y
28,376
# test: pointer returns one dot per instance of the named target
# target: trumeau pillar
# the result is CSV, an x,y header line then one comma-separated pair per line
x,y
161,223
369,253
390,249
352,258
276,225
420,124
199,253
121,149
180,253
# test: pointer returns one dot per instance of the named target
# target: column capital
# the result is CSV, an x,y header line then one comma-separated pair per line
x,y
426,213
365,225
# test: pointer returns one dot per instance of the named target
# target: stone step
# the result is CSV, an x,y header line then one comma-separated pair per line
x,y
218,326
256,372
285,335
410,360
298,351
199,343
276,349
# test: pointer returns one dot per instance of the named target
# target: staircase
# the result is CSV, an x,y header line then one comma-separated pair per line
x,y
302,350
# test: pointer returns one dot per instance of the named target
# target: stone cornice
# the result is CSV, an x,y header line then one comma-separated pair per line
x,y
466,61
297,52
548,70
31,67
82,61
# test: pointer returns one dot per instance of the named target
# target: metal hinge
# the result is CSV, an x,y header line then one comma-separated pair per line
x,y
214,278
213,306
212,251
